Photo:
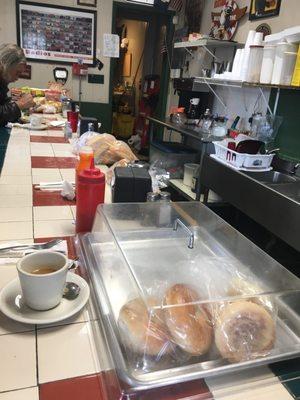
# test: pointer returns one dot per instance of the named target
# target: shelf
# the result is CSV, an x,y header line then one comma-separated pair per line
x,y
195,134
186,191
240,84
207,42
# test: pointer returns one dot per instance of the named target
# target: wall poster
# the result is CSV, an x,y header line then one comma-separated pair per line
x,y
264,9
56,34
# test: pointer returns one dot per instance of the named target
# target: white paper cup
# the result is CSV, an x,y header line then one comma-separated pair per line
x,y
42,291
35,120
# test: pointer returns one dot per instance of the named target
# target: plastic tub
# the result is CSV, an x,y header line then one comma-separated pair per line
x,y
189,172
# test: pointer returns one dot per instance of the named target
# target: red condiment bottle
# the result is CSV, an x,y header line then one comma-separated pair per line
x,y
90,193
86,154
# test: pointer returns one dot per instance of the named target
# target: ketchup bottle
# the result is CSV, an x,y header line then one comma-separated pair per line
x,y
86,154
90,193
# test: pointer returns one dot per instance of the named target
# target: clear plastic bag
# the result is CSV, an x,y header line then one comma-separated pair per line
x,y
159,175
82,140
117,151
109,174
219,314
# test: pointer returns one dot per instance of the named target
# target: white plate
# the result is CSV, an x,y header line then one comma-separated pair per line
x,y
12,304
41,127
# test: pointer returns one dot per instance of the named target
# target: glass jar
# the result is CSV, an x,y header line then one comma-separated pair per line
x,y
219,128
66,106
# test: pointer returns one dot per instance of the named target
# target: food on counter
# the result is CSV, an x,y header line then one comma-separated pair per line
x,y
108,150
188,324
243,331
240,286
143,332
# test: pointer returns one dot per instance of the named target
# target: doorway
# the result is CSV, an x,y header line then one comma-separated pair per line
x,y
139,77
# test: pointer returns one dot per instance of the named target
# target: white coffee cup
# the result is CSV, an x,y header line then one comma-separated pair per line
x,y
36,120
40,290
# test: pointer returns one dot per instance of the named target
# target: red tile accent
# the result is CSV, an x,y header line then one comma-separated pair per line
x,y
105,386
48,139
43,162
70,243
53,162
41,198
83,388
66,162
55,128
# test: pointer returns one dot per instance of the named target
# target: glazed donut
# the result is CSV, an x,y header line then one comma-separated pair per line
x,y
188,324
142,332
243,331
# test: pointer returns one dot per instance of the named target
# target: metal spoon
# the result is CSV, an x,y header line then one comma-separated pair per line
x,y
71,291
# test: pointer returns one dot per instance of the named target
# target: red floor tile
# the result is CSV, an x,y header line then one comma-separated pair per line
x,y
53,162
105,386
70,243
48,139
41,198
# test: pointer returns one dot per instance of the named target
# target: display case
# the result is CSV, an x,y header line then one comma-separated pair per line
x,y
182,295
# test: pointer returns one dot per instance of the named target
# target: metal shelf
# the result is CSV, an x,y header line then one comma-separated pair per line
x,y
240,84
207,42
193,133
186,192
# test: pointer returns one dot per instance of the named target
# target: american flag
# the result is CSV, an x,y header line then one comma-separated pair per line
x,y
175,5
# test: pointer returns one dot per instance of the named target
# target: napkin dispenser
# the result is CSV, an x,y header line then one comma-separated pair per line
x,y
131,185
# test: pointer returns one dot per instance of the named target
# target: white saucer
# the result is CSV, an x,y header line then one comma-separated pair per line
x,y
12,304
41,127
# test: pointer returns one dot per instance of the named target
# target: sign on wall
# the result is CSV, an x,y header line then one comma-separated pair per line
x,y
56,34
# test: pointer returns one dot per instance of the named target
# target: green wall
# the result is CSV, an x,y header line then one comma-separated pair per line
x,y
103,112
288,138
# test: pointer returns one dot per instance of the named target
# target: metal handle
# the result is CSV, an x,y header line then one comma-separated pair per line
x,y
189,232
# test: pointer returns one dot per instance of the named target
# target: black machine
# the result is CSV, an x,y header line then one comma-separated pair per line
x,y
131,185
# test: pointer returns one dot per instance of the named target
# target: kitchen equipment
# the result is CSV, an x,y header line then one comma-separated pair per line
x,y
85,123
219,128
178,116
131,184
90,193
71,291
153,196
172,156
254,64
279,62
289,61
189,171
140,259
242,160
267,64
193,112
66,105
249,146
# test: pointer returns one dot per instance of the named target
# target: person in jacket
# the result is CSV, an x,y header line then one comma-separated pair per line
x,y
12,61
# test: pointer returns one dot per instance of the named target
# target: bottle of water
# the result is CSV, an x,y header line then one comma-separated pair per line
x,y
68,130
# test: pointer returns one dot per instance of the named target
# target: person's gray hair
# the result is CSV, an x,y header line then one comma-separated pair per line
x,y
10,55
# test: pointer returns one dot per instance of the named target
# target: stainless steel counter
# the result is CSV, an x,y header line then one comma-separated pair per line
x,y
274,205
